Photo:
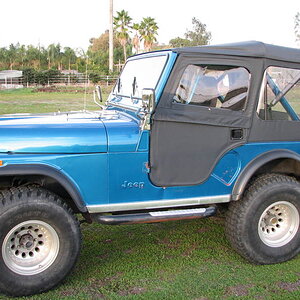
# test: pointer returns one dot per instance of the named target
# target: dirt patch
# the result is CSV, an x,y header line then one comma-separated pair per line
x,y
213,261
128,251
289,286
132,291
91,291
218,220
108,241
68,292
103,256
168,243
95,283
94,294
169,256
190,250
203,229
238,290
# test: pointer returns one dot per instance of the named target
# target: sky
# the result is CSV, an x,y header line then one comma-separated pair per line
x,y
72,23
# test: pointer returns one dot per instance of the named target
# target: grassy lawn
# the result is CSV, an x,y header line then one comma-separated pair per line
x,y
35,101
176,260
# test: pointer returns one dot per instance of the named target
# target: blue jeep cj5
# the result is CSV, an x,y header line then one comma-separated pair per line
x,y
184,131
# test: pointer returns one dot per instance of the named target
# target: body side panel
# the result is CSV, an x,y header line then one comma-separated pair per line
x,y
131,184
128,180
87,173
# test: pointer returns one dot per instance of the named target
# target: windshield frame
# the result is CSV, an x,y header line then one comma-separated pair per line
x,y
114,99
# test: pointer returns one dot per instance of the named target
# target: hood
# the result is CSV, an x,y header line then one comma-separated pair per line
x,y
78,132
53,133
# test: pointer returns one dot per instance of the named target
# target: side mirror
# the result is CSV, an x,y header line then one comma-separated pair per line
x,y
148,98
99,92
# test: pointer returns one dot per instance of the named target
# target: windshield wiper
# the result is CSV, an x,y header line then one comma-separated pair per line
x,y
119,85
134,86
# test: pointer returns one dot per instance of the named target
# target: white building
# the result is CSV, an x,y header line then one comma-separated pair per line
x,y
11,79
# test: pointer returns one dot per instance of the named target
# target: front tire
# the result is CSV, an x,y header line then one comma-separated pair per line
x,y
263,227
40,241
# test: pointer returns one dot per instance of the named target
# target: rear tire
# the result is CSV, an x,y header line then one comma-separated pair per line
x,y
263,227
40,241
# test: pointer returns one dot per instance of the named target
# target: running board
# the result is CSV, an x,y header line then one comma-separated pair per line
x,y
155,216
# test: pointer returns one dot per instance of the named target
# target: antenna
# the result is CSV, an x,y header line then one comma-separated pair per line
x,y
111,37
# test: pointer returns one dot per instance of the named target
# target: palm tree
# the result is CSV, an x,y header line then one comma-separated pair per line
x,y
69,56
122,27
33,57
136,38
12,54
4,58
148,31
54,56
21,55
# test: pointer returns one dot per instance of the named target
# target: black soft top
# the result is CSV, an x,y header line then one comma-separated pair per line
x,y
246,49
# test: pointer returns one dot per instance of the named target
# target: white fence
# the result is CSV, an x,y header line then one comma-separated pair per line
x,y
82,80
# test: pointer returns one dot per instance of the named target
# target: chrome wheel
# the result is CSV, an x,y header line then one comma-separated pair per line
x,y
278,224
30,247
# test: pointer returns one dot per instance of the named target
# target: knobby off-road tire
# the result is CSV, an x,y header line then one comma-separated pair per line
x,y
263,227
40,241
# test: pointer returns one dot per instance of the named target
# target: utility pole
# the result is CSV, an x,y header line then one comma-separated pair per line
x,y
111,37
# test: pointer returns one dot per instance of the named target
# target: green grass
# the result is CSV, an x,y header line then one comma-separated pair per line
x,y
176,260
33,101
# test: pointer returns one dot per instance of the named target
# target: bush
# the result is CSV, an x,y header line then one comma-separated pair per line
x,y
29,76
94,77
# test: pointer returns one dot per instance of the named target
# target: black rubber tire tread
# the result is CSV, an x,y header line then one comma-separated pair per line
x,y
15,199
238,216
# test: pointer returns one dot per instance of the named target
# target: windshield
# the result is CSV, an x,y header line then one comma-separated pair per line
x,y
138,74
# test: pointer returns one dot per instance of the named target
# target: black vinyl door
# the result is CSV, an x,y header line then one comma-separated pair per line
x,y
198,123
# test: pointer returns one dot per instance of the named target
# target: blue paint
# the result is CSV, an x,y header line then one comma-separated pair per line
x,y
65,133
87,171
123,132
143,143
228,168
100,176
220,182
172,56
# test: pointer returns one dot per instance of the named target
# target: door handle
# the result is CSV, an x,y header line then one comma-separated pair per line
x,y
237,134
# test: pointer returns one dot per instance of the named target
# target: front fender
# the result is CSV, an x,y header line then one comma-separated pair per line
x,y
46,170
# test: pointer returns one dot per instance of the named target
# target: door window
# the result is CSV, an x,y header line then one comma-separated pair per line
x,y
223,87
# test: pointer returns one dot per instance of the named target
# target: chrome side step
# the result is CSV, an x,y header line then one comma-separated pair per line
x,y
155,216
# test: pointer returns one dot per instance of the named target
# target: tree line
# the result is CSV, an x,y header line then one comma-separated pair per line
x,y
129,38
18,56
